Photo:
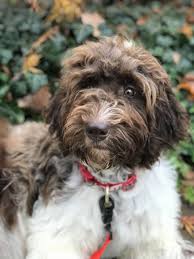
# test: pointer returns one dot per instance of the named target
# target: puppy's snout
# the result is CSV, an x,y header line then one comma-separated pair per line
x,y
97,131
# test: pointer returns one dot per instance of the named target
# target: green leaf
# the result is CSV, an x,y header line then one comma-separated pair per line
x,y
19,88
189,194
164,41
5,56
105,30
4,90
4,77
82,32
12,112
35,81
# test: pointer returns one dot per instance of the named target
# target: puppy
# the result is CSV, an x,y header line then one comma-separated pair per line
x,y
96,170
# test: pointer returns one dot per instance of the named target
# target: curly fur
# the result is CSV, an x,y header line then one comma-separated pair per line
x,y
94,80
46,209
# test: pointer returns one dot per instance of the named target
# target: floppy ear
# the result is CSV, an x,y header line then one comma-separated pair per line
x,y
169,122
60,104
57,112
168,125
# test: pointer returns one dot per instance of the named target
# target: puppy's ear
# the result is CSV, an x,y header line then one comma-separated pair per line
x,y
168,125
56,112
170,119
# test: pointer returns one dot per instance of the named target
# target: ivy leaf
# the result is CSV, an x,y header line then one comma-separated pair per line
x,y
12,112
5,56
188,194
36,81
82,32
19,89
4,77
4,90
105,30
164,41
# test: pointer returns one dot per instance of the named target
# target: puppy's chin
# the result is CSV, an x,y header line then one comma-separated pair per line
x,y
98,158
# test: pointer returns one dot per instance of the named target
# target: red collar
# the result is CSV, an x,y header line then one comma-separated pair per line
x,y
89,178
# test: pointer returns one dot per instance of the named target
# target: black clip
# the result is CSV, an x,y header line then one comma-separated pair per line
x,y
107,212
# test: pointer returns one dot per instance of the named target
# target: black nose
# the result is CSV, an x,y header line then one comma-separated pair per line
x,y
96,132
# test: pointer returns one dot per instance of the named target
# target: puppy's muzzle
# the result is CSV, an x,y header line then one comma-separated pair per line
x,y
97,131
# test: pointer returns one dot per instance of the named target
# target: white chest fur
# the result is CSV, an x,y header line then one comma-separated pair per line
x,y
70,226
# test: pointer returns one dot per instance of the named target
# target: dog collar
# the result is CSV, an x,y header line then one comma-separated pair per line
x,y
125,186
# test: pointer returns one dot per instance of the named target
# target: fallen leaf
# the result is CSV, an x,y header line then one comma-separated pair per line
x,y
188,84
176,57
65,10
187,30
36,102
188,224
94,19
35,5
189,76
44,37
142,20
189,87
30,63
190,16
157,10
188,182
189,175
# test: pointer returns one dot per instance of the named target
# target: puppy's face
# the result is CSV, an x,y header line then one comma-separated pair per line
x,y
115,106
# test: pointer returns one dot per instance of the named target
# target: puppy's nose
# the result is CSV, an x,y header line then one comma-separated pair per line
x,y
97,131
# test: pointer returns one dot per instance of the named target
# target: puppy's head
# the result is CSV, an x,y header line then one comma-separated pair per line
x,y
115,106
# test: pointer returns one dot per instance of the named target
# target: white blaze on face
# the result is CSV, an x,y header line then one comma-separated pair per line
x,y
106,112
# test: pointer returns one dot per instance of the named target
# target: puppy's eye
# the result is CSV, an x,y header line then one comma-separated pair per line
x,y
130,92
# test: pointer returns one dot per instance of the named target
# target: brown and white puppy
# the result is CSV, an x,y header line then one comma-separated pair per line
x,y
116,113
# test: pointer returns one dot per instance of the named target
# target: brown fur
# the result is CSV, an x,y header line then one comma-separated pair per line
x,y
4,129
34,165
139,129
95,77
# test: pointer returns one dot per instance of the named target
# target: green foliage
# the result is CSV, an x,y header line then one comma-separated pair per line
x,y
159,31
189,194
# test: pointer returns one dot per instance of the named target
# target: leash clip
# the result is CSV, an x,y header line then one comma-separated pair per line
x,y
107,202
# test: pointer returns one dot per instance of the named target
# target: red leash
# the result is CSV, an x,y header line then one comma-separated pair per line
x,y
101,250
